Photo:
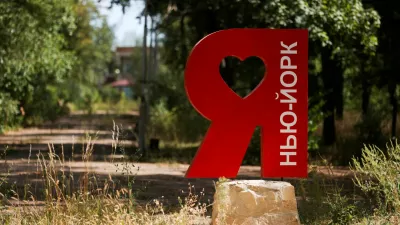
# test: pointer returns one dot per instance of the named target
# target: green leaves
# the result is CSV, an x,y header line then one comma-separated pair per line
x,y
343,30
47,43
343,26
8,110
31,42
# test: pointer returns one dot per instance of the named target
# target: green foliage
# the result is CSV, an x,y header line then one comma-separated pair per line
x,y
315,117
341,211
32,49
324,201
8,111
163,122
170,102
377,175
312,208
32,43
178,124
91,43
125,105
110,94
83,95
343,30
46,46
44,104
334,24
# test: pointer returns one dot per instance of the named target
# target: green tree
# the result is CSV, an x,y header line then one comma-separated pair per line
x,y
339,32
48,49
91,43
32,49
342,34
388,52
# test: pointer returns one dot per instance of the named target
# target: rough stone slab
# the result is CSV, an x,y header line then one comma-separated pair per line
x,y
255,202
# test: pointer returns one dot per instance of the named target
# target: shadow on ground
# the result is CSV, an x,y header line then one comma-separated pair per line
x,y
153,178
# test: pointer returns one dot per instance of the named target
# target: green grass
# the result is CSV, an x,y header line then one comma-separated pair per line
x,y
122,107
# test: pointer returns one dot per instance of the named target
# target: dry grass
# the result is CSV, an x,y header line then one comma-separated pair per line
x,y
68,199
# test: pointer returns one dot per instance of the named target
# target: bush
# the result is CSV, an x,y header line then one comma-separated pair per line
x,y
163,122
90,96
168,97
178,124
45,103
83,96
377,175
323,200
110,94
340,210
8,112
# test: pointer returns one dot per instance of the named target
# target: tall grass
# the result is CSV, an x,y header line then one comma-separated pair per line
x,y
377,174
88,199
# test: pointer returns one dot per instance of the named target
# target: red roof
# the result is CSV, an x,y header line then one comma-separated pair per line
x,y
121,83
130,49
125,49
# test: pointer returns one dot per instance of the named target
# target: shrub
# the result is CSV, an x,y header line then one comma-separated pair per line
x,y
8,112
84,97
189,125
377,175
163,122
45,103
340,210
110,94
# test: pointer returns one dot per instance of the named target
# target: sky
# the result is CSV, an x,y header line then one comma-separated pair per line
x,y
127,28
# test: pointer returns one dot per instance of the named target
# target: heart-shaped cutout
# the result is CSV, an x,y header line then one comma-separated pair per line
x,y
242,76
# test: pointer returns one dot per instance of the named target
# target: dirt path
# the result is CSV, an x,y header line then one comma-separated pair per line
x,y
68,134
71,132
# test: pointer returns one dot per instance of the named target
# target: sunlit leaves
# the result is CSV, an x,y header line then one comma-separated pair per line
x,y
31,42
45,43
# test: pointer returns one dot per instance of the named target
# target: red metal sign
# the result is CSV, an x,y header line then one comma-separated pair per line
x,y
278,105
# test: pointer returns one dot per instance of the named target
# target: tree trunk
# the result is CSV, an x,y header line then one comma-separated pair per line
x,y
366,93
151,49
184,50
393,101
155,55
328,74
339,83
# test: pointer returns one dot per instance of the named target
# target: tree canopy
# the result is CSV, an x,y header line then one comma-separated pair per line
x,y
47,43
